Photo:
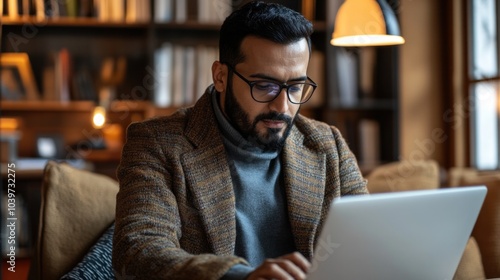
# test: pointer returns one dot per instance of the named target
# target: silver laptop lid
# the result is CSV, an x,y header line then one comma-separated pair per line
x,y
401,235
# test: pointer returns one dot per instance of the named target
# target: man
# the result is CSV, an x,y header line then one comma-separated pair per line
x,y
238,186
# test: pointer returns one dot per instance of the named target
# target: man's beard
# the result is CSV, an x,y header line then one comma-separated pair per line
x,y
271,140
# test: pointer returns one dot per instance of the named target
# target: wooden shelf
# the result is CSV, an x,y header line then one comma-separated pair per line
x,y
51,106
73,106
84,22
72,22
187,25
69,22
104,155
368,104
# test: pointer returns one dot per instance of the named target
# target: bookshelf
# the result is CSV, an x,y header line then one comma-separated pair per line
x,y
368,116
358,87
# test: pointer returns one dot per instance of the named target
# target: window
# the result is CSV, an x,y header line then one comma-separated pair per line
x,y
484,83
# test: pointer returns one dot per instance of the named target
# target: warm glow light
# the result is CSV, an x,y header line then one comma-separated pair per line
x,y
367,40
99,117
9,124
361,23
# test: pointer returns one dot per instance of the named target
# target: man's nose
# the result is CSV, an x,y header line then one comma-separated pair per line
x,y
280,104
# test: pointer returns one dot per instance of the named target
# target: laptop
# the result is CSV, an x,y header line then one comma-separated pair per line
x,y
400,235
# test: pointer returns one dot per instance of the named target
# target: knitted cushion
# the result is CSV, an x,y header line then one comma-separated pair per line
x,y
404,176
97,263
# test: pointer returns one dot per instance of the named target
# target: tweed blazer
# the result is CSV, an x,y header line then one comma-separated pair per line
x,y
175,215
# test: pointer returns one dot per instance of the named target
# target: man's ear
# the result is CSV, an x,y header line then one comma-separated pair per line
x,y
219,76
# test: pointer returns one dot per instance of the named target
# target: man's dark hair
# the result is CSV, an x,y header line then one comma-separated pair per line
x,y
270,21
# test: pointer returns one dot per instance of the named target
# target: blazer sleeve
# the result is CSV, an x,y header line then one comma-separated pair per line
x,y
351,179
148,226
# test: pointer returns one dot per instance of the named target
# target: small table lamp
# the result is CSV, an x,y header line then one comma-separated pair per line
x,y
361,23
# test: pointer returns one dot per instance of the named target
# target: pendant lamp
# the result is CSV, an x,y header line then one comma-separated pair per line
x,y
361,23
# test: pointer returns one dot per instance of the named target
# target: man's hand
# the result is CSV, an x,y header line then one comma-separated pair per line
x,y
293,266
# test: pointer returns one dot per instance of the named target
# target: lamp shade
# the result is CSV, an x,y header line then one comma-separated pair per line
x,y
366,23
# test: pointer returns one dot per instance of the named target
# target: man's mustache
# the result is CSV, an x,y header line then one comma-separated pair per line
x,y
273,116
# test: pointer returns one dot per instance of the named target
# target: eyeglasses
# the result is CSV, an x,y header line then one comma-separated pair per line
x,y
264,91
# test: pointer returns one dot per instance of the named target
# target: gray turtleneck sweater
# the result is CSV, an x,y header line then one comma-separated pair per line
x,y
262,226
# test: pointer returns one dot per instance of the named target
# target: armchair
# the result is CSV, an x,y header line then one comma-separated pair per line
x,y
78,211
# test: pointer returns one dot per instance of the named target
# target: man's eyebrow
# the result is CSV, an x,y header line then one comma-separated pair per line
x,y
267,77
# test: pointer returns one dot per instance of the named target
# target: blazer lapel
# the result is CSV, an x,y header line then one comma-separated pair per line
x,y
208,178
304,178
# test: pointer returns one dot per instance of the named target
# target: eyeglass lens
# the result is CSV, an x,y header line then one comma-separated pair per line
x,y
265,91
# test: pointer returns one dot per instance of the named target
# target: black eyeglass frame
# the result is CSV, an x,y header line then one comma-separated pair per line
x,y
282,86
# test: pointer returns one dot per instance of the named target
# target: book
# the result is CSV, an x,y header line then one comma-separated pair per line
x,y
180,10
219,10
85,8
12,9
163,64
201,65
189,75
144,11
72,8
52,8
103,9
177,77
204,10
40,10
206,55
347,78
49,83
116,10
308,9
163,10
57,77
63,73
